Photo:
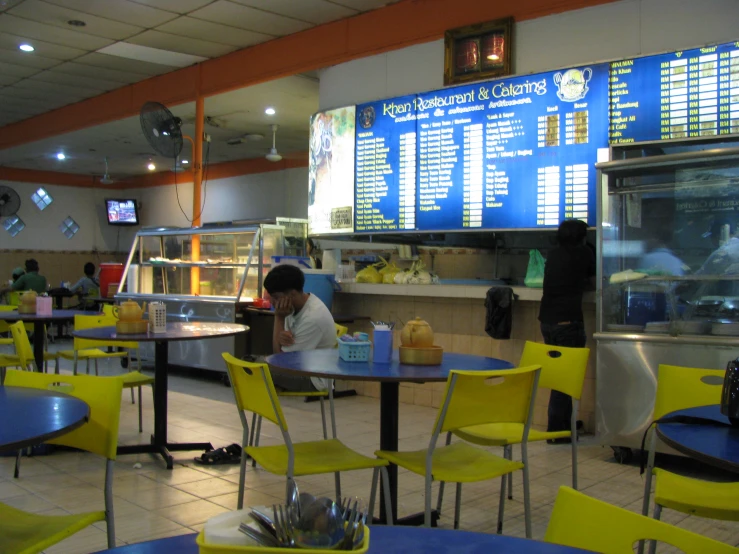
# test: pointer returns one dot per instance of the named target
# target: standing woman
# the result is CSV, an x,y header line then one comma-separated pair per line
x,y
567,274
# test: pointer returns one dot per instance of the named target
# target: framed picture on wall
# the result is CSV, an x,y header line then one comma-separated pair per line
x,y
478,52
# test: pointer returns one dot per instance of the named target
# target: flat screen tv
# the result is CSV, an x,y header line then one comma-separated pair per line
x,y
121,211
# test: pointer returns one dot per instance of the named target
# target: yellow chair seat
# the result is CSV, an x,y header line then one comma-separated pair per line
x,y
90,353
316,393
457,463
502,434
696,497
135,379
312,458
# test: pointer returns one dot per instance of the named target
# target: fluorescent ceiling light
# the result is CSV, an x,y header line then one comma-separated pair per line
x,y
151,55
185,162
26,47
60,156
151,167
270,111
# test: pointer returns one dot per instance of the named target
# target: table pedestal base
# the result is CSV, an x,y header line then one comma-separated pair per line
x,y
164,449
414,520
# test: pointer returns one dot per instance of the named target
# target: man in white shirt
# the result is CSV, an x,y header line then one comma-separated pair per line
x,y
302,322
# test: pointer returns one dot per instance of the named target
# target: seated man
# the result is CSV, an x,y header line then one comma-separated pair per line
x,y
31,280
302,322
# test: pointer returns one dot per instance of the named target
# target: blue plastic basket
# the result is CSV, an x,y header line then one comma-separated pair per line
x,y
354,351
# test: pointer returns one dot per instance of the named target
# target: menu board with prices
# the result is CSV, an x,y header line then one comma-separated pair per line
x,y
385,183
511,154
687,94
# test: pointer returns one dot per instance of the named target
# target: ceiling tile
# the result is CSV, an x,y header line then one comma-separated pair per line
x,y
122,64
17,70
5,5
175,43
7,79
314,11
55,88
43,91
206,30
123,77
251,19
57,16
27,60
177,6
364,5
46,49
50,33
96,84
133,13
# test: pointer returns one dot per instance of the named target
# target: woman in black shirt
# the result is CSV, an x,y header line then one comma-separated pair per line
x,y
567,272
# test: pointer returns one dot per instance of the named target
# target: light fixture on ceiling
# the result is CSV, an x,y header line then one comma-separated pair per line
x,y
151,166
60,156
26,47
494,57
270,111
185,162
76,23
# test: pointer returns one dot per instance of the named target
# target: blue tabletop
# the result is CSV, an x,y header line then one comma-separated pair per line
x,y
393,540
175,331
32,416
56,315
717,445
326,363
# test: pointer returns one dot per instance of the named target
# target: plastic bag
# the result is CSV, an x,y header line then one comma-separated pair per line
x,y
535,271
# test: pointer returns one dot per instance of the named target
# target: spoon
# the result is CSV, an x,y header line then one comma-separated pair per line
x,y
321,525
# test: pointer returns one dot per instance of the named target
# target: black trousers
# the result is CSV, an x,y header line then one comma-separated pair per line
x,y
560,405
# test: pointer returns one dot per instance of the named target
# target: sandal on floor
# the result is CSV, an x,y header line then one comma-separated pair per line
x,y
226,455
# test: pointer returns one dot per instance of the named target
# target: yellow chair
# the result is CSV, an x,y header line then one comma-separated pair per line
x,y
86,349
255,392
14,298
256,422
679,388
562,369
579,521
24,351
28,533
5,327
475,398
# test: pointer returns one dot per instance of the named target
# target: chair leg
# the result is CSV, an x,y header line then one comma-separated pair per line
x,y
657,513
141,415
373,493
388,504
256,438
509,451
337,482
133,400
56,366
501,505
573,440
97,372
427,502
17,471
109,515
331,408
323,418
457,505
242,469
441,485
526,495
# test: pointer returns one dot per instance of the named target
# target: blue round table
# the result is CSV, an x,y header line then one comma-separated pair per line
x,y
327,364
717,445
175,332
393,540
32,416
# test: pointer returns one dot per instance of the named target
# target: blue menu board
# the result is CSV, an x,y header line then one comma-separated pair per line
x,y
385,181
515,153
692,93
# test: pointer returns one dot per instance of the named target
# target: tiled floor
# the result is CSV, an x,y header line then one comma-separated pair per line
x,y
151,502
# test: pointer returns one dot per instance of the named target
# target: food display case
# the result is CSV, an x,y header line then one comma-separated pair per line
x,y
201,274
668,272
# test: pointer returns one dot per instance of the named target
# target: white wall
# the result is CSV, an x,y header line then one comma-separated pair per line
x,y
86,206
257,196
612,31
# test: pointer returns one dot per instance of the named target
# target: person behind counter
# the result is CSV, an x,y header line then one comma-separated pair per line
x,y
315,261
567,272
31,280
302,322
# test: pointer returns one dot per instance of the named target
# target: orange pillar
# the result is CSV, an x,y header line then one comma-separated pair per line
x,y
197,182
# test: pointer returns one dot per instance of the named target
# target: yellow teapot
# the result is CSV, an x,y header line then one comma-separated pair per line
x,y
417,333
28,302
129,311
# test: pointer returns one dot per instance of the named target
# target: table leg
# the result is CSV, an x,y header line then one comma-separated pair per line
x,y
159,444
39,338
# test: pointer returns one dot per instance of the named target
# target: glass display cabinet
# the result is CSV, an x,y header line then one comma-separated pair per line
x,y
201,274
668,273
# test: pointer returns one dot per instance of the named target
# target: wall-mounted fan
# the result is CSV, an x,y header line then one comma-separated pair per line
x,y
273,155
10,201
106,179
161,129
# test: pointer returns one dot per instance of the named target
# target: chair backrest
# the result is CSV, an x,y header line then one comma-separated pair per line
x,y
254,390
14,298
479,397
93,292
579,521
103,394
91,322
4,326
562,368
679,388
22,345
110,311
340,332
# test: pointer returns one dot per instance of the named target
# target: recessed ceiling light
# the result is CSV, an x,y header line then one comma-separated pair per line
x,y
60,156
151,166
494,57
185,162
26,47
76,23
270,111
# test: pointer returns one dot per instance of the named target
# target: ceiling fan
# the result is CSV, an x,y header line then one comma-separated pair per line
x,y
249,137
273,155
106,179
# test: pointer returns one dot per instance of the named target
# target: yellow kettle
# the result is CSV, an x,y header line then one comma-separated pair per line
x,y
28,302
129,311
417,333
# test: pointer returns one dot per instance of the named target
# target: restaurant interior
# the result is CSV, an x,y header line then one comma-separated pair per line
x,y
181,148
